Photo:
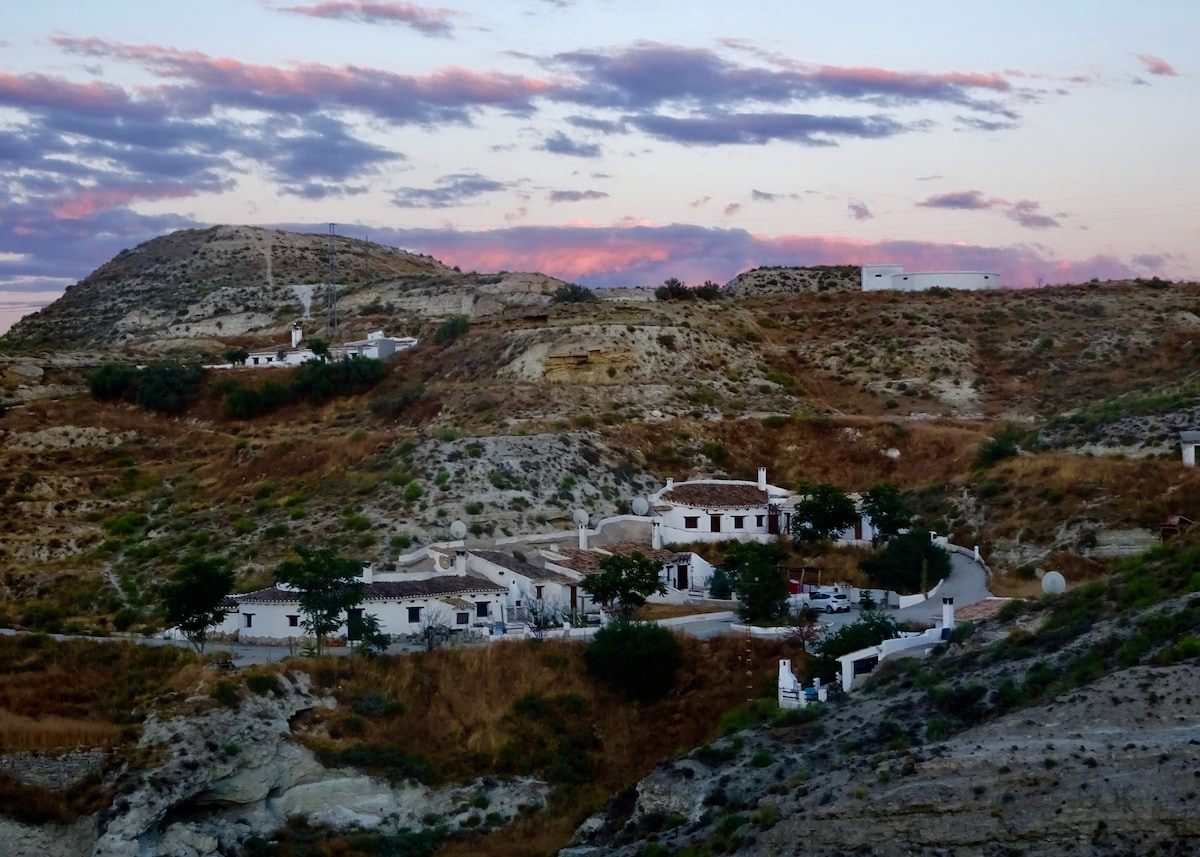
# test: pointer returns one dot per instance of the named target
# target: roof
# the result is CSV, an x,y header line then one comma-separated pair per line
x,y
430,587
588,562
525,569
716,495
1190,436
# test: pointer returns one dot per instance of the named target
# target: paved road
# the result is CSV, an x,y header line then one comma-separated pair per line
x,y
967,584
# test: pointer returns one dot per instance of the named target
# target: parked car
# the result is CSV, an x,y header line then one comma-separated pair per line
x,y
830,602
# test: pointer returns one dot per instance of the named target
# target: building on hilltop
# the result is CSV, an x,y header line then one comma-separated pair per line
x,y
880,277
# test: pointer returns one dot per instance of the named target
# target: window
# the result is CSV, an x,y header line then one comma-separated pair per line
x,y
758,520
249,619
293,621
463,618
691,522
481,609
739,522
414,614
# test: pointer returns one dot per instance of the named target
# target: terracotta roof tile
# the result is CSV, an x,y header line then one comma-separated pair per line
x,y
716,495
588,562
443,584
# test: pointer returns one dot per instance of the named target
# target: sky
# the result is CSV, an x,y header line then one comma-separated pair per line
x,y
609,142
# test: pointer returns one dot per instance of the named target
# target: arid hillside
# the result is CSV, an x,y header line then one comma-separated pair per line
x,y
518,407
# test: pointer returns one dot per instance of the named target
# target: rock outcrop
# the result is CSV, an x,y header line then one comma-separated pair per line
x,y
221,775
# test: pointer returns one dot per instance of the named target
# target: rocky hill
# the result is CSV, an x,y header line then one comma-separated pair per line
x,y
792,280
194,289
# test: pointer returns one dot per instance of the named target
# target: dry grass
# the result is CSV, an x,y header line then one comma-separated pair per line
x,y
469,712
77,693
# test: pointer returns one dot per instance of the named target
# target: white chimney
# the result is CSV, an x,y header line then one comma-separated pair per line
x,y
583,540
297,334
656,534
762,479
460,561
948,613
368,575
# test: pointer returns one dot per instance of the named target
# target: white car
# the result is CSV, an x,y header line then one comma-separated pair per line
x,y
830,602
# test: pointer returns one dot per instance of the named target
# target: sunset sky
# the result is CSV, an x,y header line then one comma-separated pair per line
x,y
609,142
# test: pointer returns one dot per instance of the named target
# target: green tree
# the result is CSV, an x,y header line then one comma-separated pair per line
x,y
237,356
367,631
624,582
884,505
823,511
721,584
909,563
329,585
320,349
871,629
758,582
113,382
193,599
637,659
570,293
169,387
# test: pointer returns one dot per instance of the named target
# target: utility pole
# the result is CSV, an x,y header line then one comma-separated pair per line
x,y
331,283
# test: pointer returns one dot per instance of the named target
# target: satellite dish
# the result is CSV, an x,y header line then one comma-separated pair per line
x,y
580,517
641,506
1053,583
458,529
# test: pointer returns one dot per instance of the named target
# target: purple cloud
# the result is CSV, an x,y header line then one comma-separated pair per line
x,y
576,195
454,189
651,74
1028,213
859,210
762,128
559,143
962,199
429,21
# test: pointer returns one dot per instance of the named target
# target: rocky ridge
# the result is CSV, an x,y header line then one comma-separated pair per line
x,y
219,774
1109,768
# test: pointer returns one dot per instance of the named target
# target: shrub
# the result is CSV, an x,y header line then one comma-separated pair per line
x,y
451,329
570,293
655,650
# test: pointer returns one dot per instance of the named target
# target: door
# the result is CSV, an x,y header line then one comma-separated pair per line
x,y
681,577
714,522
773,522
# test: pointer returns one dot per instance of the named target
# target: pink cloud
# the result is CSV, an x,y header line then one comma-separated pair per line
x,y
647,255
1157,65
732,209
308,86
89,201
430,21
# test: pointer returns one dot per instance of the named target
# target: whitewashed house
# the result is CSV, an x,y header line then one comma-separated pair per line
x,y
553,589
403,606
717,510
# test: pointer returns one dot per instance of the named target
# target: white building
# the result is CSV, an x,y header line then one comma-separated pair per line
x,y
403,606
376,347
880,277
717,510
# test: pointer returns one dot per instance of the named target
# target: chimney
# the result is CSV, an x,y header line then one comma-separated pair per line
x,y
368,575
583,539
460,561
297,334
948,613
762,479
670,483
656,534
